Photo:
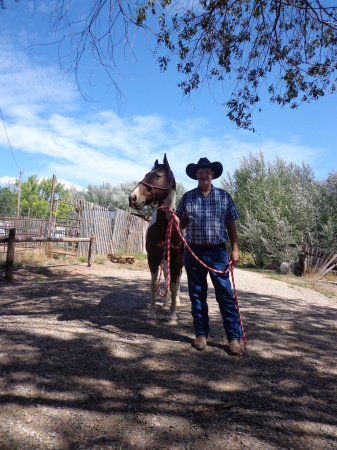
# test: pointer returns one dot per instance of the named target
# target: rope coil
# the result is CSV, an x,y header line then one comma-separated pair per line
x,y
167,252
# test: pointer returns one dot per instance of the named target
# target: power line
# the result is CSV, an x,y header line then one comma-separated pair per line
x,y
9,141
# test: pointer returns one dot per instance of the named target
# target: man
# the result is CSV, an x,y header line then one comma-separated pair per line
x,y
208,214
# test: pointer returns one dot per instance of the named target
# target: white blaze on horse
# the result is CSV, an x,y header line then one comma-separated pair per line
x,y
158,188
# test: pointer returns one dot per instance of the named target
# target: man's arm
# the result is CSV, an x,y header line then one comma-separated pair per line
x,y
233,237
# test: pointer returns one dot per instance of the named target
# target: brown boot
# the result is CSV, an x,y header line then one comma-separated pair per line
x,y
234,348
200,343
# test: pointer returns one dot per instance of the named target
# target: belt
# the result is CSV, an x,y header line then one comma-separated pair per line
x,y
222,244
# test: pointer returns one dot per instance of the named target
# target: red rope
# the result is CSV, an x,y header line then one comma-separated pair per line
x,y
167,247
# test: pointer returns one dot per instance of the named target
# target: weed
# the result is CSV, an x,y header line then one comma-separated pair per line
x,y
100,261
39,278
303,282
140,256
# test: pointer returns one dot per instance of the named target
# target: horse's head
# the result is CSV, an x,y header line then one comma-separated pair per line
x,y
158,186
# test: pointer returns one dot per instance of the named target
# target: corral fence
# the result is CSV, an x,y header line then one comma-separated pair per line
x,y
128,232
317,261
10,240
114,230
24,226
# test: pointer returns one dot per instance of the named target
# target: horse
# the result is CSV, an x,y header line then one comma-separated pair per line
x,y
158,188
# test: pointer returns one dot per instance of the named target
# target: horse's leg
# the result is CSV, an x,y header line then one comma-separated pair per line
x,y
178,291
174,287
167,299
151,318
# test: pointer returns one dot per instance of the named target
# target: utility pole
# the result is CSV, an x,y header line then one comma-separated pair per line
x,y
19,195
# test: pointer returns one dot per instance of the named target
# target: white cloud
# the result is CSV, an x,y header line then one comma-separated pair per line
x,y
104,147
69,184
4,181
28,89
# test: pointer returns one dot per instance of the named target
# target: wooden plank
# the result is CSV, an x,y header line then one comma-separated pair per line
x,y
41,239
92,251
329,265
324,261
10,255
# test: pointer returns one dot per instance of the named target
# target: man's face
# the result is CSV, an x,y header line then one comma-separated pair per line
x,y
204,177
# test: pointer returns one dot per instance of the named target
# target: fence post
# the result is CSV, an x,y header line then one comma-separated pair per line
x,y
92,251
10,255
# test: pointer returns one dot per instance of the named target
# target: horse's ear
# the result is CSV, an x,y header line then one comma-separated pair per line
x,y
156,163
166,164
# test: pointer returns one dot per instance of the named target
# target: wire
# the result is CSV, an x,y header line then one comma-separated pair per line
x,y
9,141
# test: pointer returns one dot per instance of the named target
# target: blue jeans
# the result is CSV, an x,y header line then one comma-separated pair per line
x,y
217,258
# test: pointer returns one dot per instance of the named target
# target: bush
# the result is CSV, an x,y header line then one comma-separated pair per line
x,y
246,259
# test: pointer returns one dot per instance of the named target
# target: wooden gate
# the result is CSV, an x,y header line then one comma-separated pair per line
x,y
316,261
94,220
129,232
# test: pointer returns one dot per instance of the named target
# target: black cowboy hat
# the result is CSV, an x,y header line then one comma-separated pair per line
x,y
216,167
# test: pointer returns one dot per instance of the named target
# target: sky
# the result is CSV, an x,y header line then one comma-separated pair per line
x,y
48,127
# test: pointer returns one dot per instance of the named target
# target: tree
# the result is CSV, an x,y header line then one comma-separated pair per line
x,y
180,190
111,197
278,204
287,48
326,231
35,197
8,201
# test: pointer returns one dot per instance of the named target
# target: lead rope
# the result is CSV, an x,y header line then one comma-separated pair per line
x,y
167,248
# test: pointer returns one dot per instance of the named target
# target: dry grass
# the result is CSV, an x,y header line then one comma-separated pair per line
x,y
38,258
323,285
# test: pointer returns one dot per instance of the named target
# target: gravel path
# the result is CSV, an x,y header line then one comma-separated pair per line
x,y
81,368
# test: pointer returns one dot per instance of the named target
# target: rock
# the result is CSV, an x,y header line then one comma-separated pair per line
x,y
285,267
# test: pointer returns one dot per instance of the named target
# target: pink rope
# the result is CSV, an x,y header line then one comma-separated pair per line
x,y
167,247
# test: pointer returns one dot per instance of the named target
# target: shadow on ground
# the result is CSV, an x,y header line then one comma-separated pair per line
x,y
79,358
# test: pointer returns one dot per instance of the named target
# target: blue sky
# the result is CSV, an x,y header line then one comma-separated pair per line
x,y
53,130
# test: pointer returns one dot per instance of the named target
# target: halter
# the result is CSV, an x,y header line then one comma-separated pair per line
x,y
152,188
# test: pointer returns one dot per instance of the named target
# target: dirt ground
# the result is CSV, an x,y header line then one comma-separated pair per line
x,y
82,369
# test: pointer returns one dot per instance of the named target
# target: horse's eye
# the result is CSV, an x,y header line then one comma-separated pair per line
x,y
158,176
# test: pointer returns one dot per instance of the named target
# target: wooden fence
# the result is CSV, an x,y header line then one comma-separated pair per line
x,y
129,232
94,219
316,261
114,230
24,226
11,239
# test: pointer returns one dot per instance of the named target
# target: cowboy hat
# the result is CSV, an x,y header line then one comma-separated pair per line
x,y
203,163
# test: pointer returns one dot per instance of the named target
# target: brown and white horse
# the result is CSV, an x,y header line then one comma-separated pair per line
x,y
158,188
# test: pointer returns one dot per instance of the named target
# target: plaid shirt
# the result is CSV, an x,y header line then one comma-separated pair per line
x,y
205,219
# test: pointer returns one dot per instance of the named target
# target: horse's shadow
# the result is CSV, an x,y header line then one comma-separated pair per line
x,y
125,310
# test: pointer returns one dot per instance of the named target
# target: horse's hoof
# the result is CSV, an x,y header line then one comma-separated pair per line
x,y
173,322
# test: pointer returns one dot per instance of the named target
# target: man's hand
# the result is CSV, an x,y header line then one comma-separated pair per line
x,y
233,236
235,256
169,213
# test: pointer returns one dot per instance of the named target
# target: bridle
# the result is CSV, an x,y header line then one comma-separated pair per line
x,y
152,188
